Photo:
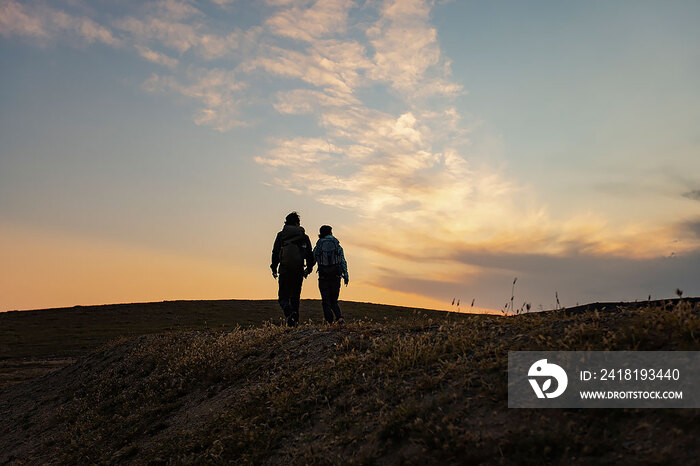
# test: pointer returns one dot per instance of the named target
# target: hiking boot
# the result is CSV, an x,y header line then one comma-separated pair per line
x,y
340,321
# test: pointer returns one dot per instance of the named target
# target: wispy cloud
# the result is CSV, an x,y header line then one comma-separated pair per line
x,y
163,27
218,93
182,28
156,57
310,21
16,19
407,53
332,66
42,23
300,152
301,101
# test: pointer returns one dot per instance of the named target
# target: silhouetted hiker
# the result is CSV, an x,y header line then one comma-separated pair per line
x,y
292,247
331,267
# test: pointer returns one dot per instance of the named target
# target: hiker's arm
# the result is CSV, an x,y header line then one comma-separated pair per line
x,y
317,253
275,261
310,259
343,264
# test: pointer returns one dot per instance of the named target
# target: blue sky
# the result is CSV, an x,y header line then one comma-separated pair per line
x,y
150,150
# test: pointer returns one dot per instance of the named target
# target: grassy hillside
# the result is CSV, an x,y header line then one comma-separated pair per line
x,y
71,331
418,390
37,342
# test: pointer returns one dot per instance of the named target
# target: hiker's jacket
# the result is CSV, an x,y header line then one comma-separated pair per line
x,y
339,256
292,236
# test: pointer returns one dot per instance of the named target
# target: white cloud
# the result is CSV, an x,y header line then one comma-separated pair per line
x,y
218,93
181,27
175,10
43,23
177,36
406,49
318,66
321,19
156,57
181,37
300,153
15,19
300,101
288,3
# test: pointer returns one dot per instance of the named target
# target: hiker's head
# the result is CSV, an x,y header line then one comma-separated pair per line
x,y
325,231
292,219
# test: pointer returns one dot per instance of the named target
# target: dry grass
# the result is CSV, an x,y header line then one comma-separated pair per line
x,y
67,332
421,390
34,342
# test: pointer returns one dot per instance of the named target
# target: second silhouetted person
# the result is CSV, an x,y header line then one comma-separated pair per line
x,y
331,268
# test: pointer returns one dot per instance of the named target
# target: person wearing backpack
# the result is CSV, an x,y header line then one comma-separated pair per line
x,y
291,249
331,267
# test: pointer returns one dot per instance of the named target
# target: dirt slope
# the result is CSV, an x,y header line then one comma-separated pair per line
x,y
422,390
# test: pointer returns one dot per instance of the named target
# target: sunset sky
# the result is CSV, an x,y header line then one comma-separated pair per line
x,y
151,150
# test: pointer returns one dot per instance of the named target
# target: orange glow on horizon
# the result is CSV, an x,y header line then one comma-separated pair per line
x,y
50,270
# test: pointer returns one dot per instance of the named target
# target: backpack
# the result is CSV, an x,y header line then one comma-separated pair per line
x,y
291,255
328,258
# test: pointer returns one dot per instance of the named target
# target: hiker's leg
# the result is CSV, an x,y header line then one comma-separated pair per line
x,y
335,293
324,286
298,280
284,294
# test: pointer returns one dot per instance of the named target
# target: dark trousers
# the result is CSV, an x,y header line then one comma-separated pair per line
x,y
330,290
289,295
